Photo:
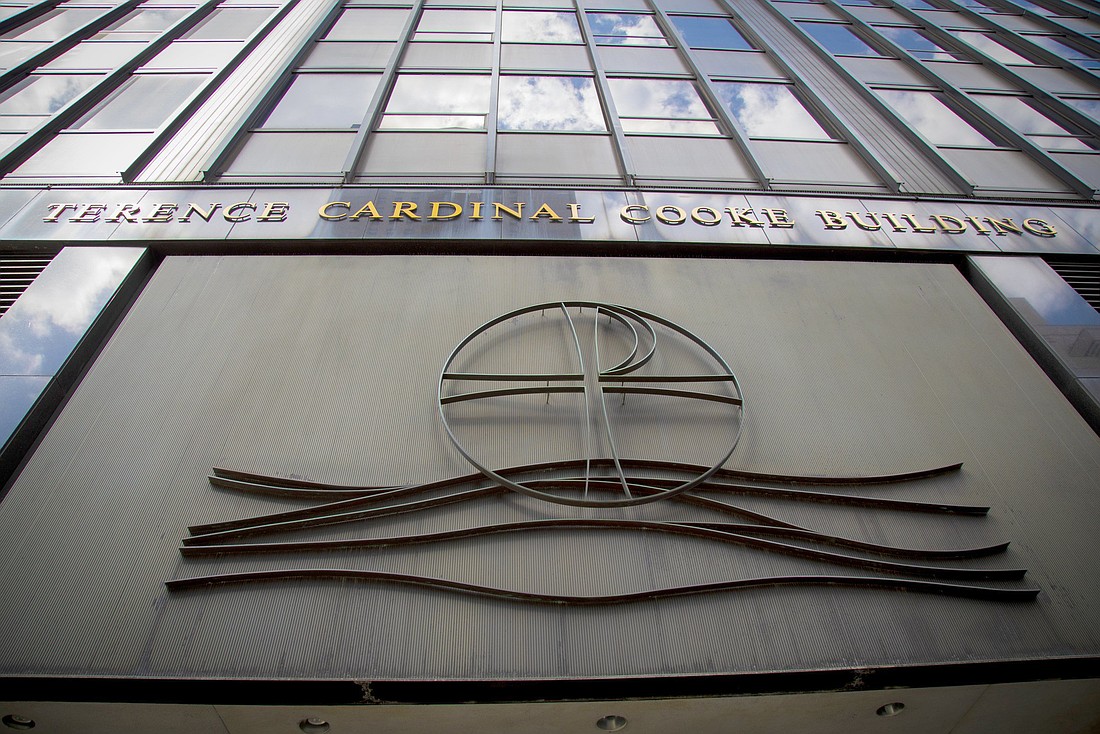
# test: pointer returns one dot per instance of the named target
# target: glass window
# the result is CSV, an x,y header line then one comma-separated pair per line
x,y
769,111
549,103
838,39
456,25
96,55
368,24
625,29
324,101
42,95
437,102
1086,105
519,26
990,47
917,4
53,25
661,106
1024,118
978,6
143,102
142,24
710,33
229,24
917,43
933,119
1067,51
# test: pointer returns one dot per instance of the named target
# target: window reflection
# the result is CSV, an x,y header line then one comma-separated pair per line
x,y
475,26
625,29
933,119
229,24
710,33
520,26
838,39
916,43
143,103
368,24
661,106
1086,105
1067,51
436,101
1021,116
549,103
324,101
53,25
990,47
142,24
769,111
44,94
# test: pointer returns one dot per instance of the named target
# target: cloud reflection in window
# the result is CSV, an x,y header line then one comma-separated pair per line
x,y
933,119
769,111
548,103
520,26
661,106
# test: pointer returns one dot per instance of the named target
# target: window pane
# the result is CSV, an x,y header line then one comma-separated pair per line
x,y
1022,117
548,103
230,24
143,103
933,119
430,101
661,105
1087,106
916,43
368,24
917,4
44,95
717,33
95,55
54,24
1066,51
990,47
324,101
838,39
536,27
626,29
456,25
144,22
769,111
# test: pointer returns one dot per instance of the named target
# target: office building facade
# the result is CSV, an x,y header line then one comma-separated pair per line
x,y
563,365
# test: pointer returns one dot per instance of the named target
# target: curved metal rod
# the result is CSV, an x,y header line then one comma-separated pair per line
x,y
713,397
295,482
588,447
726,536
629,364
873,582
508,391
606,418
625,362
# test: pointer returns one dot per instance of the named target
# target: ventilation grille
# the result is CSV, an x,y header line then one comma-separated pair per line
x,y
1083,276
17,271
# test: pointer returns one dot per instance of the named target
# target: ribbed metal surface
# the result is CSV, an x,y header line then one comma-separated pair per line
x,y
904,160
183,158
1083,276
17,271
326,368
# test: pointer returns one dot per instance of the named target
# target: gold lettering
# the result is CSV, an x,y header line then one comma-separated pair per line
x,y
323,212
498,208
698,218
978,226
893,220
831,219
575,215
742,217
1003,226
245,207
949,224
475,213
367,209
193,209
871,226
911,218
126,212
545,211
625,215
455,210
162,213
404,209
679,216
1040,227
274,211
89,213
57,210
777,218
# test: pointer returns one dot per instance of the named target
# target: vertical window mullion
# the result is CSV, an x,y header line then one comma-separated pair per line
x,y
494,96
381,93
725,123
603,92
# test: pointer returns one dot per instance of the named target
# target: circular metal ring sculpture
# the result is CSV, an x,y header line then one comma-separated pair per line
x,y
594,382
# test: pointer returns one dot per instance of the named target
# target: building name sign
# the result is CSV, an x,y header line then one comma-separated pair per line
x,y
661,214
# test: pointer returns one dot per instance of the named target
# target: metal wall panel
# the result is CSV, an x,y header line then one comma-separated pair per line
x,y
326,368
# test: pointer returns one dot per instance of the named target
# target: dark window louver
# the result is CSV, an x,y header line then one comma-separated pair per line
x,y
1083,276
17,271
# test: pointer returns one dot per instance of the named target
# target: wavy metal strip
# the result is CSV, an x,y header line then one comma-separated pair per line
x,y
932,587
